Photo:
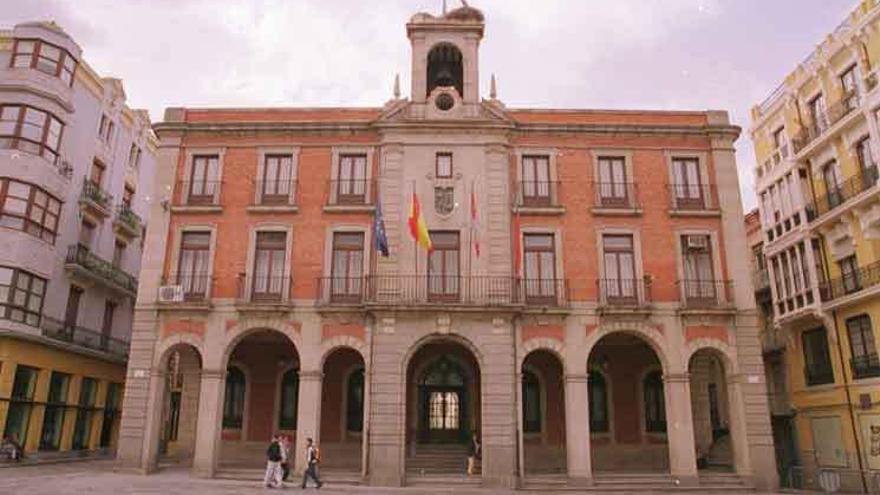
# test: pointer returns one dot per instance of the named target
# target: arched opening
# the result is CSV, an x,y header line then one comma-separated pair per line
x,y
711,411
627,406
180,404
543,413
342,411
260,397
445,68
442,408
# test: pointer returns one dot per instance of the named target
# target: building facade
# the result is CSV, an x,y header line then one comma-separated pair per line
x,y
584,309
75,167
815,138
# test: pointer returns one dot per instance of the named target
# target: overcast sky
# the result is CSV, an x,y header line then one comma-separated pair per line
x,y
642,54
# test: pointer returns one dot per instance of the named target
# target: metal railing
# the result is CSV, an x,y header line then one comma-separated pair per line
x,y
442,289
823,121
83,337
624,291
850,188
616,195
351,192
693,197
126,216
862,278
698,293
276,192
198,193
761,279
818,373
263,288
93,192
772,339
537,193
195,286
865,366
83,257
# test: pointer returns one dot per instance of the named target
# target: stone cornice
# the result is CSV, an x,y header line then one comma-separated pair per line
x,y
49,95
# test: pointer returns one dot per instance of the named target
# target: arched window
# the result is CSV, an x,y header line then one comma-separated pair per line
x,y
233,404
289,399
354,413
445,68
655,404
531,397
598,393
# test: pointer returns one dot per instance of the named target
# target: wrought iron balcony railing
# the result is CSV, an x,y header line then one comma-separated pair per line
x,y
865,366
537,193
93,193
819,373
263,288
276,192
693,197
850,188
351,192
82,258
194,286
198,192
616,195
864,277
705,294
624,291
127,217
83,337
823,121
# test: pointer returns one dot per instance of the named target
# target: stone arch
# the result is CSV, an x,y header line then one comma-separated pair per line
x,y
445,64
722,350
342,341
439,337
553,346
238,332
650,335
165,346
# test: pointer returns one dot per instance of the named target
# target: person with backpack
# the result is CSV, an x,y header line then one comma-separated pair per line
x,y
272,479
313,457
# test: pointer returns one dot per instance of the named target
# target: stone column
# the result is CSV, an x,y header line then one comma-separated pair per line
x,y
209,425
737,413
308,419
35,422
679,429
577,429
7,377
153,421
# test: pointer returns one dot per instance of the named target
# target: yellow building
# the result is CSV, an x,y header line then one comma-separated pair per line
x,y
815,140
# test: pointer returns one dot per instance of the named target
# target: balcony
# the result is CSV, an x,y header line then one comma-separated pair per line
x,y
538,197
197,196
824,121
863,278
187,288
83,337
95,201
705,294
275,196
818,374
127,222
772,340
761,279
693,199
616,198
346,195
866,366
851,187
82,262
624,293
263,290
441,290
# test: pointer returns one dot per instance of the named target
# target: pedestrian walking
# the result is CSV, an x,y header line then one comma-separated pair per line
x,y
11,449
285,457
473,453
272,479
313,457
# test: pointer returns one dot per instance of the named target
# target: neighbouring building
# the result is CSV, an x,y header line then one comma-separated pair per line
x,y
586,308
815,139
76,166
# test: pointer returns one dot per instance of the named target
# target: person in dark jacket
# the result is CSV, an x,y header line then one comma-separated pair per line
x,y
274,456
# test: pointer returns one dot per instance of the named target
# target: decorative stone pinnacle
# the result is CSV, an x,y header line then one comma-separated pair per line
x,y
493,89
397,86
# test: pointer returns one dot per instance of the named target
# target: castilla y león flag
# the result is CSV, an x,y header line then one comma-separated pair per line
x,y
417,228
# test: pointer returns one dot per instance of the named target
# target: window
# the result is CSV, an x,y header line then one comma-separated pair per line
x,y
443,266
21,403
655,403
96,174
82,430
118,253
849,273
620,284
536,180
21,295
111,414
612,181
45,57
107,323
204,179
233,404
531,405
127,196
443,166
850,88
865,362
277,182
779,138
56,404
443,410
71,314
816,357
347,268
106,128
540,267
28,208
597,390
134,156
351,184
354,404
866,162
193,267
817,113
87,233
30,130
289,398
831,175
269,261
699,277
687,188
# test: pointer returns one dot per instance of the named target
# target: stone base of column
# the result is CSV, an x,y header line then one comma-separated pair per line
x,y
391,480
686,480
510,482
580,481
203,472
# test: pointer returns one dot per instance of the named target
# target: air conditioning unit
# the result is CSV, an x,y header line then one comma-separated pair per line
x,y
697,242
171,293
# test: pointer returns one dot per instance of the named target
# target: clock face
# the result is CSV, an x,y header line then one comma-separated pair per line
x,y
444,101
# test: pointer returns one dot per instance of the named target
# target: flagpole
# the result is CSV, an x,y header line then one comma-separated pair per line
x,y
470,260
415,238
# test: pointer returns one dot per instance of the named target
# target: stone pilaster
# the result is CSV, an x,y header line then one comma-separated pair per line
x,y
577,429
308,419
679,429
209,424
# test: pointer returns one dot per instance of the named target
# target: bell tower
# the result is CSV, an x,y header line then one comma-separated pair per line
x,y
445,59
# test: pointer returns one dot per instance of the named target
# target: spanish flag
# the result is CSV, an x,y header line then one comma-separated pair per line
x,y
417,228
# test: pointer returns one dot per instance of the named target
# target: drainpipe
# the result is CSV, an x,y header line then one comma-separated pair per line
x,y
849,404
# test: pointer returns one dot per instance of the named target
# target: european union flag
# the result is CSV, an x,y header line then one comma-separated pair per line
x,y
380,240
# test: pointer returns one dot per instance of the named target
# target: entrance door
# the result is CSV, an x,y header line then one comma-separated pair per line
x,y
443,403
71,314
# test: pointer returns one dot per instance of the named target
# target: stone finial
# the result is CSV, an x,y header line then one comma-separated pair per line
x,y
397,86
493,88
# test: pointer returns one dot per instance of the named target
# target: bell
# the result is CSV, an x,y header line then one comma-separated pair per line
x,y
444,78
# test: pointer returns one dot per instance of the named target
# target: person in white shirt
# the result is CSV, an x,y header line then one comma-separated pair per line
x,y
313,457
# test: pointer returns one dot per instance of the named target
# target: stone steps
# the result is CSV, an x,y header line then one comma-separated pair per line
x,y
331,477
632,483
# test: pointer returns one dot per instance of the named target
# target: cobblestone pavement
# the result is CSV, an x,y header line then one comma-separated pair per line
x,y
101,477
